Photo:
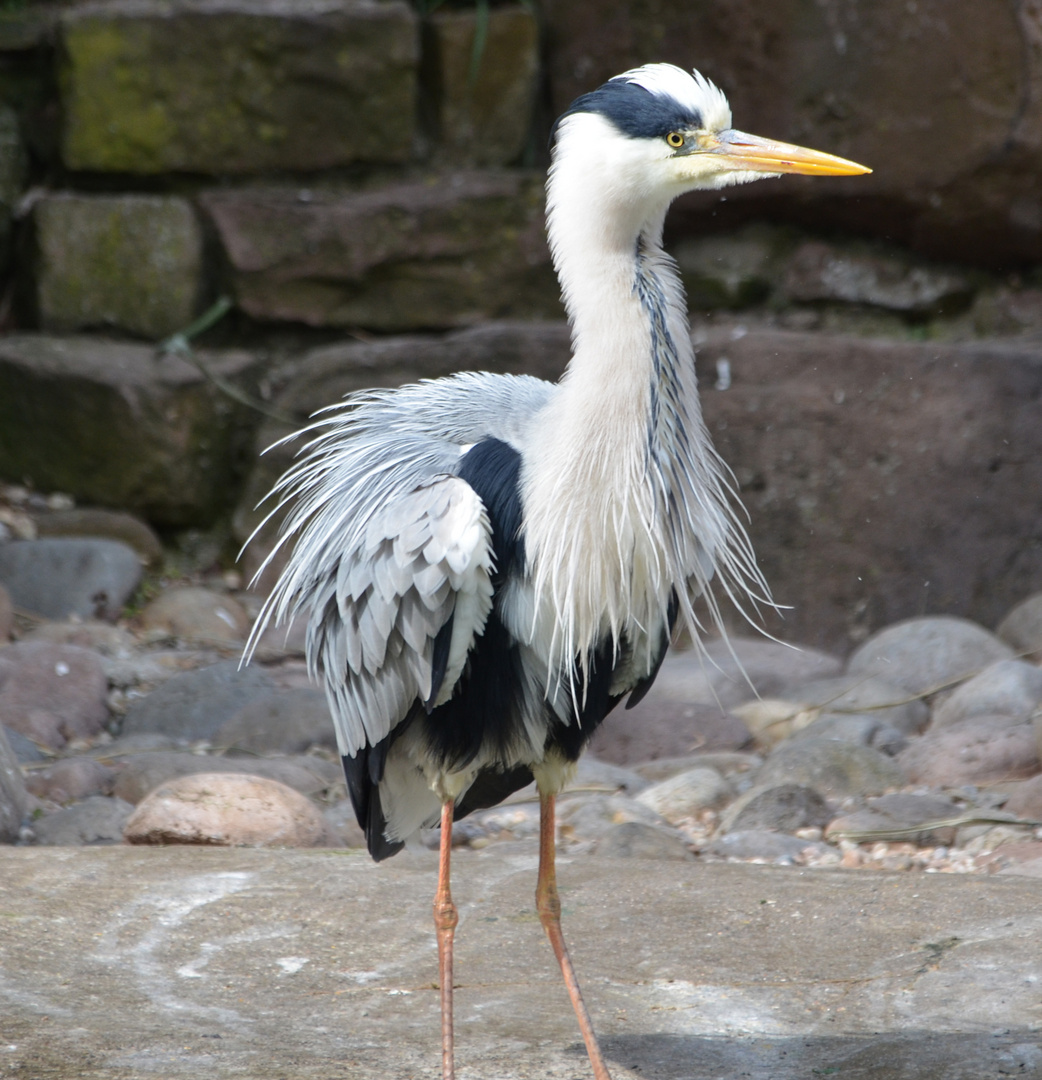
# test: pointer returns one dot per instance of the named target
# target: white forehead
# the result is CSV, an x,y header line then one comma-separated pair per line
x,y
693,92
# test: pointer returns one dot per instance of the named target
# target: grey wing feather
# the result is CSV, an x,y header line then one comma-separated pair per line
x,y
389,544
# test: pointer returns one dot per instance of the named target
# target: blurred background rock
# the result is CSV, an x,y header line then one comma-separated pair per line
x,y
364,181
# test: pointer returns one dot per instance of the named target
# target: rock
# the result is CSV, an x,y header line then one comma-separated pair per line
x,y
981,750
898,816
634,840
481,111
445,251
835,769
660,727
71,779
52,694
342,826
1025,800
100,637
928,654
766,846
13,797
885,473
589,817
103,524
1021,629
142,773
237,88
728,271
6,615
286,722
729,765
818,271
863,729
25,750
130,262
1006,688
683,795
778,808
227,809
58,578
854,694
124,428
96,820
194,704
592,774
864,85
197,614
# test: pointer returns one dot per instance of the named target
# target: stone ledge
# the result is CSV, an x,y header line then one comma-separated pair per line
x,y
436,252
110,423
231,86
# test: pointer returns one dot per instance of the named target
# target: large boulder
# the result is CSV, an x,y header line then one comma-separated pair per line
x,y
940,100
884,478
114,424
133,262
444,251
219,86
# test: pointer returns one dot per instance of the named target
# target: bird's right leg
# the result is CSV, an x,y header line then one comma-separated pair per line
x,y
445,919
548,904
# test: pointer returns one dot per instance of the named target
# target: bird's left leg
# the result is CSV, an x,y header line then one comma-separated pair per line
x,y
548,904
445,919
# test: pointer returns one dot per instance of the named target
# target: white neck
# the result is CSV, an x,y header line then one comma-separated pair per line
x,y
622,444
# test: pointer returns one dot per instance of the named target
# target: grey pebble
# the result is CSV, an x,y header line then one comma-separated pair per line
x,y
762,844
95,820
685,794
779,808
857,693
864,729
287,722
635,840
836,769
60,577
194,704
1006,688
927,654
13,796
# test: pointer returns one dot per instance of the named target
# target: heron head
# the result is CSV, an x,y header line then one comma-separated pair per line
x,y
660,131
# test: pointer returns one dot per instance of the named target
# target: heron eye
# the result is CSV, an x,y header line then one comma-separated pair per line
x,y
675,139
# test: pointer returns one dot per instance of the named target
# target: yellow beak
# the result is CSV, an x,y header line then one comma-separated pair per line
x,y
754,154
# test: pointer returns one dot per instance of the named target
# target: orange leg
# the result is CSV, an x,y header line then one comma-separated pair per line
x,y
548,904
445,919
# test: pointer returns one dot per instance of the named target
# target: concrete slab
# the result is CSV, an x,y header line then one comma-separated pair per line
x,y
179,962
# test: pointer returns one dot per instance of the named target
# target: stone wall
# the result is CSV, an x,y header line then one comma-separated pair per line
x,y
343,169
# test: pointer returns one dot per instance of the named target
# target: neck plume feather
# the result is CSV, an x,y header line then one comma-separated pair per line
x,y
625,498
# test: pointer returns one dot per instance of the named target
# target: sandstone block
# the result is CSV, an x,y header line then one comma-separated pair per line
x,y
929,94
124,427
232,86
482,103
445,251
133,262
882,478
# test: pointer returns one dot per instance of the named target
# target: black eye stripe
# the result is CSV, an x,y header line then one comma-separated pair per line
x,y
636,112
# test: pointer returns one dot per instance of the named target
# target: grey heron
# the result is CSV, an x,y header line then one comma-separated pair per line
x,y
488,564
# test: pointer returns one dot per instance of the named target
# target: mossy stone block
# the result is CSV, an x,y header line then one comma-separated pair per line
x,y
113,424
481,97
133,262
231,86
443,251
